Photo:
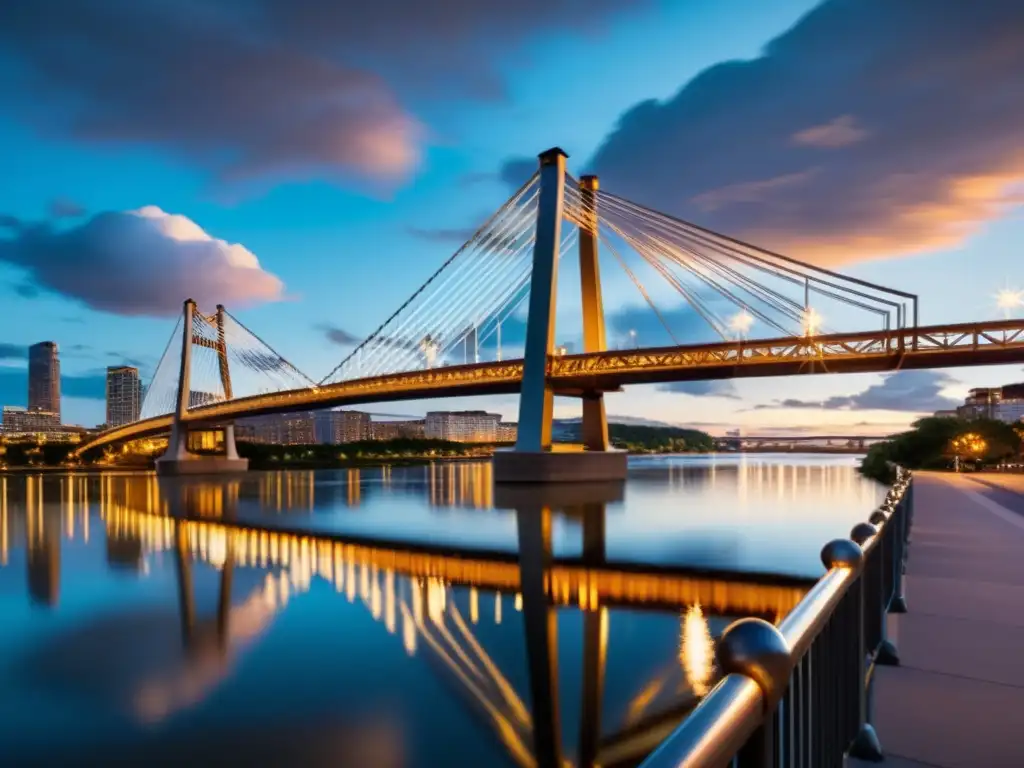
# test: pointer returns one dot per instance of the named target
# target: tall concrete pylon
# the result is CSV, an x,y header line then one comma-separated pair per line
x,y
533,459
177,459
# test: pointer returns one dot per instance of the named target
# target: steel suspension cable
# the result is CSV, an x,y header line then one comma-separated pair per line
x,y
758,260
434,276
520,219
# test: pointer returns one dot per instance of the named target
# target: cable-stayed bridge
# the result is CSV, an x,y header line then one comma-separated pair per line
x,y
484,323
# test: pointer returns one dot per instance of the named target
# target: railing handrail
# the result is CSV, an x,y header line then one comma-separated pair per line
x,y
759,660
809,616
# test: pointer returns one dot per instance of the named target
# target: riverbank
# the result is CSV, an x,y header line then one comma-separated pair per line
x,y
945,444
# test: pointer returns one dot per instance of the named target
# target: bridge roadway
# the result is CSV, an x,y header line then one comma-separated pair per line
x,y
945,346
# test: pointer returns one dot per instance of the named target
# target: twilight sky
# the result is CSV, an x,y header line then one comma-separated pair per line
x,y
310,164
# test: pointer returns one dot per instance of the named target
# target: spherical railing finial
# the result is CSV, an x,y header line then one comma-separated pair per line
x,y
842,553
862,532
756,649
878,518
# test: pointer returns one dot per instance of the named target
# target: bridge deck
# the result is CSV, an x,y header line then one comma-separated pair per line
x,y
957,700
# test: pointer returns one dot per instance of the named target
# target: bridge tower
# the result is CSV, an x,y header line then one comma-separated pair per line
x,y
178,460
533,459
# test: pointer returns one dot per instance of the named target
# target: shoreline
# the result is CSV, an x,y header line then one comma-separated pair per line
x,y
257,465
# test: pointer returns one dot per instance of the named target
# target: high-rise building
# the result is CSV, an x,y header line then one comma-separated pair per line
x,y
335,427
44,378
20,421
124,395
462,426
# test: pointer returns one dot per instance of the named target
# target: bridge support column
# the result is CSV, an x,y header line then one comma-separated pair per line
x,y
177,459
230,448
533,459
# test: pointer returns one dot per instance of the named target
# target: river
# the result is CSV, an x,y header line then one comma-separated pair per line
x,y
375,618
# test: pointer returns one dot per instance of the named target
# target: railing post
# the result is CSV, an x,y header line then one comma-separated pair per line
x,y
902,513
865,745
884,652
756,649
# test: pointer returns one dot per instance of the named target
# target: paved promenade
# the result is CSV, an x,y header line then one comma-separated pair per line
x,y
957,700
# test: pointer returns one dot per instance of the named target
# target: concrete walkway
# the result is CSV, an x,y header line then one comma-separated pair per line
x,y
957,700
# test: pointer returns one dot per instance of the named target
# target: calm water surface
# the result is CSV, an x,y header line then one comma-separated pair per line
x,y
398,630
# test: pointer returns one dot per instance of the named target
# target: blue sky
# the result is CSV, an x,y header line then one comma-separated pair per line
x,y
340,148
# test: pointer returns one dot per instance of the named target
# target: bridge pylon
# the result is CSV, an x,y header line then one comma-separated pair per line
x,y
178,459
533,458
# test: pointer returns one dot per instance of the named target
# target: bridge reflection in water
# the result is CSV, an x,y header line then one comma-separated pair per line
x,y
437,601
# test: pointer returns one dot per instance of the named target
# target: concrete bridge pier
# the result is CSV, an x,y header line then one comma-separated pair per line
x,y
177,459
533,460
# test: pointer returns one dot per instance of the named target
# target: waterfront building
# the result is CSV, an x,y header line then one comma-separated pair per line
x,y
507,431
999,403
26,421
278,429
462,426
44,378
411,429
335,426
124,395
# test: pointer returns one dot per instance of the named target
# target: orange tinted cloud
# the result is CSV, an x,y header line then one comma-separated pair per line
x,y
871,128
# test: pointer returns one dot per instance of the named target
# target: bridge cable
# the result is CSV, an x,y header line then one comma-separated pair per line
x,y
500,212
760,259
507,232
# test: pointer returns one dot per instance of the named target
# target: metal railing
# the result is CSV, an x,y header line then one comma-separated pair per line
x,y
800,695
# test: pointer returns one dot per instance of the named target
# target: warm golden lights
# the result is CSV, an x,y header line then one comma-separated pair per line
x,y
697,650
1009,301
969,445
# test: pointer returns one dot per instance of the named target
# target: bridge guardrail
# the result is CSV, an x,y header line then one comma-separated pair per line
x,y
800,695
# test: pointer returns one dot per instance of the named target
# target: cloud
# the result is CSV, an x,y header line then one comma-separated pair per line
x,y
267,88
27,290
702,388
841,132
120,358
517,170
686,325
91,385
144,262
870,128
457,235
13,351
339,336
62,208
913,391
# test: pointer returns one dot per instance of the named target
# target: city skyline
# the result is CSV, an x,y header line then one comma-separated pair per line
x,y
313,242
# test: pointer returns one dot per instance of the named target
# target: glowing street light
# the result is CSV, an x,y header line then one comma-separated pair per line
x,y
968,445
1009,300
811,321
741,323
430,349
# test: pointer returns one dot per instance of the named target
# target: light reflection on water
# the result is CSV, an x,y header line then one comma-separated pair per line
x,y
153,636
